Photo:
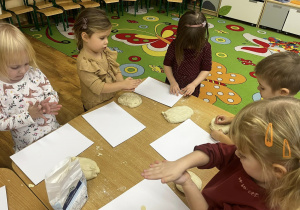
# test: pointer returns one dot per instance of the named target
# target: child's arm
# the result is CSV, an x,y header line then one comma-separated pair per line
x,y
193,195
221,137
169,171
190,88
174,87
127,84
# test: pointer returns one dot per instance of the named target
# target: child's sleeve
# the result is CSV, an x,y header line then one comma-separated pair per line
x,y
207,60
14,121
86,72
170,55
47,87
219,154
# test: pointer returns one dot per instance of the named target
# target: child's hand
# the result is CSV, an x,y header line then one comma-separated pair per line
x,y
223,120
183,179
35,111
50,107
130,84
188,90
174,89
167,171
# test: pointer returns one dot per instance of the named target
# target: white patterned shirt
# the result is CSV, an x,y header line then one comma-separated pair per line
x,y
14,115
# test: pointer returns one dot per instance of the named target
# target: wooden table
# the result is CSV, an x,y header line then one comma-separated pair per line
x,y
19,196
121,167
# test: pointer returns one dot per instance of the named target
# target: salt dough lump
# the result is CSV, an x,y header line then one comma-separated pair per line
x,y
194,178
214,126
131,100
89,167
178,114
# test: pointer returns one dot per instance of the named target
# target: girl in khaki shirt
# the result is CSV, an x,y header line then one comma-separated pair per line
x,y
98,71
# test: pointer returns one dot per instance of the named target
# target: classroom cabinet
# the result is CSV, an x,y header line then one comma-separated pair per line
x,y
245,10
274,15
291,24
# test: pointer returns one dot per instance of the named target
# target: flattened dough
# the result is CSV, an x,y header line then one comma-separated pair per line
x,y
194,178
89,167
214,126
131,100
178,114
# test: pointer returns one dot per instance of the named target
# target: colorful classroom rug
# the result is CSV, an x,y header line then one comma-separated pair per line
x,y
142,41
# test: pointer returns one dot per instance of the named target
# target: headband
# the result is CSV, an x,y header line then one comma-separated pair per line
x,y
197,26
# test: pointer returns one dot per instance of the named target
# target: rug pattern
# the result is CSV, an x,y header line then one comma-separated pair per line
x,y
142,41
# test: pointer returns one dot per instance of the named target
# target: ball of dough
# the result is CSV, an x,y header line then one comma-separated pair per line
x,y
214,126
89,167
178,114
131,100
194,178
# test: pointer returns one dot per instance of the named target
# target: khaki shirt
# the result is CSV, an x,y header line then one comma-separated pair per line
x,y
94,73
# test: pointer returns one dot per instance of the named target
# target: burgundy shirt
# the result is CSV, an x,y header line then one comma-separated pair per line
x,y
231,188
190,67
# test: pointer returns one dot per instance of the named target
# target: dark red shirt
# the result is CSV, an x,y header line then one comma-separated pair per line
x,y
190,67
231,188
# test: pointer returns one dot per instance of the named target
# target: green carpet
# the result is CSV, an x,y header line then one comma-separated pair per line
x,y
142,42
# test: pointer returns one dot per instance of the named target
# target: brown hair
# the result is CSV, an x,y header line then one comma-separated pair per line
x,y
13,45
248,131
280,70
90,20
190,37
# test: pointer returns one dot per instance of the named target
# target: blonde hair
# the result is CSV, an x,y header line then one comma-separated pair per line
x,y
90,20
188,37
280,70
248,131
13,45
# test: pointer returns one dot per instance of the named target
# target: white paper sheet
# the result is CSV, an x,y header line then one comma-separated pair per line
x,y
113,123
3,199
40,157
157,91
147,195
181,140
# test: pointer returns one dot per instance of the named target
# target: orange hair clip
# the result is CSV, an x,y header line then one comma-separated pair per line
x,y
286,145
269,142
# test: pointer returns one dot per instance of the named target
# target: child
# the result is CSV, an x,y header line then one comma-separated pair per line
x,y
98,71
25,92
188,59
277,75
261,172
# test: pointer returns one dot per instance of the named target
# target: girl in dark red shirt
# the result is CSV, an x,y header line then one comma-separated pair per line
x,y
188,59
261,171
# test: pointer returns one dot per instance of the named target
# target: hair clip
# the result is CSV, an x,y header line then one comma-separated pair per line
x,y
269,142
197,26
286,145
85,21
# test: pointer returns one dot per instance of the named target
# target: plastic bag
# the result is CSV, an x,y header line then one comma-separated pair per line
x,y
66,185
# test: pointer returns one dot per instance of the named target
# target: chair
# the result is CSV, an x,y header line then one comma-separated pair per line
x,y
175,1
66,5
88,3
19,11
5,14
44,8
111,2
135,6
200,4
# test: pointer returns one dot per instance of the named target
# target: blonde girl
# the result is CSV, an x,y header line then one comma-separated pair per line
x,y
188,59
262,169
98,70
28,103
